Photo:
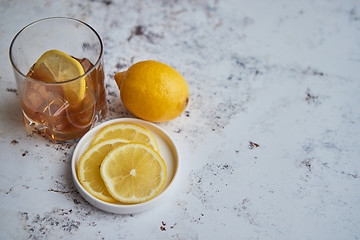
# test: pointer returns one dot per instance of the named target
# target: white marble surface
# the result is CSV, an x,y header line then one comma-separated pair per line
x,y
269,142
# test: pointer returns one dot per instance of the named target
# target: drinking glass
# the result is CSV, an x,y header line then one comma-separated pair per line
x,y
46,105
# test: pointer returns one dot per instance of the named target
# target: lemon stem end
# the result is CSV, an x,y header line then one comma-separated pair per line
x,y
119,78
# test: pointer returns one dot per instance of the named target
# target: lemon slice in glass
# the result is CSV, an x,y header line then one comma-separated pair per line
x,y
56,66
133,173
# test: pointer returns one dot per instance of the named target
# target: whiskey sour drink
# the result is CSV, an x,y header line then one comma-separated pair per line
x,y
59,73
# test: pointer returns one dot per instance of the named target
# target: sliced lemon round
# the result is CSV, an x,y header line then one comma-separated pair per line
x,y
133,172
89,165
130,131
56,66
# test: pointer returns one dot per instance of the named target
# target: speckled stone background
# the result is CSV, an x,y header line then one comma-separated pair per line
x,y
269,143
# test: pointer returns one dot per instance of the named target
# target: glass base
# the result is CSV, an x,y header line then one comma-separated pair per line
x,y
61,137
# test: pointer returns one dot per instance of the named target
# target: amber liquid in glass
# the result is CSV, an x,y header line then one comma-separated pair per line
x,y
45,105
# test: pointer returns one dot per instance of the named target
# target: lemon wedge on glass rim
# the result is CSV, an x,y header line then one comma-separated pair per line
x,y
56,66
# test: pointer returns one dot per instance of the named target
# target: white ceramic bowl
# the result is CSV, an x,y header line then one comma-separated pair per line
x,y
167,150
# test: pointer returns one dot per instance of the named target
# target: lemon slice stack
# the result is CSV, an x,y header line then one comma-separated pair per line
x,y
123,165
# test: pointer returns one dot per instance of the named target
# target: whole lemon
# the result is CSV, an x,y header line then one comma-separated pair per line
x,y
153,91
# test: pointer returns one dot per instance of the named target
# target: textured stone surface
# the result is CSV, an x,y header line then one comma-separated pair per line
x,y
269,142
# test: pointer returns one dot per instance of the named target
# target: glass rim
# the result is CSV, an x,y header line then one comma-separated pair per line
x,y
98,61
